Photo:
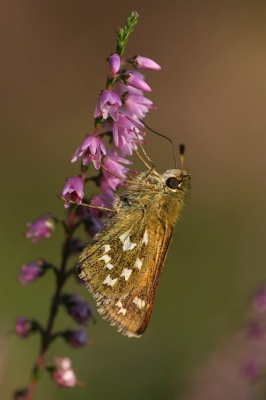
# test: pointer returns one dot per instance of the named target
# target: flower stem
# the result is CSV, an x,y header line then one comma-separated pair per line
x,y
40,362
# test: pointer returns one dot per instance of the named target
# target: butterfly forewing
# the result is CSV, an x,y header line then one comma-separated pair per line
x,y
123,264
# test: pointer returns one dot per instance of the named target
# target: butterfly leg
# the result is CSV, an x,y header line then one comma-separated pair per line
x,y
141,159
145,154
87,205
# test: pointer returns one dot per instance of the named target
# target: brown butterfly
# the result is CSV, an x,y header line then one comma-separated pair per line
x,y
123,264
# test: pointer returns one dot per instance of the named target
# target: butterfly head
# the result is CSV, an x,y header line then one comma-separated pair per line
x,y
176,180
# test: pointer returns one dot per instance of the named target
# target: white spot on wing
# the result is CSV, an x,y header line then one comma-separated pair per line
x,y
126,273
125,239
128,245
145,237
109,266
138,263
107,248
139,303
109,281
105,258
124,236
122,310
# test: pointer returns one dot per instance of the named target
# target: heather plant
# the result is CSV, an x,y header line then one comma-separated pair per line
x,y
117,133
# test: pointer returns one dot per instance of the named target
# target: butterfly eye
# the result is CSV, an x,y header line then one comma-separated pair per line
x,y
172,183
126,202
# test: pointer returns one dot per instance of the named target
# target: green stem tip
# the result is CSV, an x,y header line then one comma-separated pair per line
x,y
122,34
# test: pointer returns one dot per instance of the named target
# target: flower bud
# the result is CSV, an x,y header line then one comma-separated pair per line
x,y
145,63
80,310
30,272
23,327
62,372
73,190
137,82
77,338
65,378
41,228
114,63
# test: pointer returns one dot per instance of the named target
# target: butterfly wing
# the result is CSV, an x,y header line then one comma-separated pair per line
x,y
122,268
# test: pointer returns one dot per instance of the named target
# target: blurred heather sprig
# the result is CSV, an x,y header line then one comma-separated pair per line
x,y
118,115
236,369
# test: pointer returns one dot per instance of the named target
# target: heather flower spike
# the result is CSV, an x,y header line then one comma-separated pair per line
x,y
117,121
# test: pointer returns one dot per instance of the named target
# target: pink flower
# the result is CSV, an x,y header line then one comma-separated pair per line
x,y
145,63
30,272
41,228
120,88
77,338
73,190
23,327
127,139
133,119
91,149
62,372
132,79
114,62
65,378
120,127
107,104
137,104
112,163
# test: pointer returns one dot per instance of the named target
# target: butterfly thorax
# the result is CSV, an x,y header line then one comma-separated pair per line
x,y
152,193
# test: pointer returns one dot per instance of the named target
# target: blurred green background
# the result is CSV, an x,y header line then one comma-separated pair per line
x,y
211,95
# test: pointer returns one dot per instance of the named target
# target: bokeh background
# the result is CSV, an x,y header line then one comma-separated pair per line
x,y
211,95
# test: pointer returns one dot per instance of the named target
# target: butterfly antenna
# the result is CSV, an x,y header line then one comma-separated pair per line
x,y
182,155
166,137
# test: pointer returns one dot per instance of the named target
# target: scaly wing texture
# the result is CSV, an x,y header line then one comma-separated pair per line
x,y
122,268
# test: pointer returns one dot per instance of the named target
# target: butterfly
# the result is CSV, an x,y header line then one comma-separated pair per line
x,y
123,264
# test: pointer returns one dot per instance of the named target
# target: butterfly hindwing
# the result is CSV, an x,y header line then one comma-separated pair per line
x,y
122,269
